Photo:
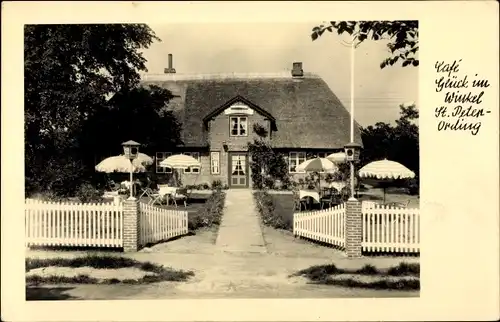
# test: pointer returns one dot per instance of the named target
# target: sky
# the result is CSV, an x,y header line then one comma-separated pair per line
x,y
273,47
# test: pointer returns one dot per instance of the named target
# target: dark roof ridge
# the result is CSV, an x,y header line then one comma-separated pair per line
x,y
222,76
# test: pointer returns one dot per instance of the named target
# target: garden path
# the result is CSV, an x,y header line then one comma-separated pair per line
x,y
240,229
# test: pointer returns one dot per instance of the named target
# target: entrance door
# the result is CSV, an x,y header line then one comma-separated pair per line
x,y
238,170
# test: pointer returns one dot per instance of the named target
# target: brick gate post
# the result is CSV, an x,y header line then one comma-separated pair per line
x,y
353,228
131,225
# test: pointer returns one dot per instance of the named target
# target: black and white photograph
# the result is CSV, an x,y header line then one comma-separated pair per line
x,y
245,161
250,161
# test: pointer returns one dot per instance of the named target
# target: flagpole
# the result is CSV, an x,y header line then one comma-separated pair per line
x,y
352,115
352,91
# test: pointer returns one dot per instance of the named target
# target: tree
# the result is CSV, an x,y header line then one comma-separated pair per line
x,y
266,166
398,143
137,114
69,73
402,37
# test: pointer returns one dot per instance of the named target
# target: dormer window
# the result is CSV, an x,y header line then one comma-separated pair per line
x,y
238,125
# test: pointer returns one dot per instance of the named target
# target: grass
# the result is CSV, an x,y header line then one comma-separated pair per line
x,y
403,285
392,195
103,262
284,208
322,274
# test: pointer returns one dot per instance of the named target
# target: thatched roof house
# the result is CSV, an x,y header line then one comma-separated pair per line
x,y
299,111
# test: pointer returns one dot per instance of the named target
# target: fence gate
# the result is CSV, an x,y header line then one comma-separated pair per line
x,y
158,224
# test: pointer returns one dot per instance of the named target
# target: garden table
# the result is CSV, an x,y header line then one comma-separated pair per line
x,y
164,191
309,193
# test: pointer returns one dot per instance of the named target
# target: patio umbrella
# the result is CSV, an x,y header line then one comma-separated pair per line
x,y
180,161
318,165
385,171
143,159
119,163
338,157
338,185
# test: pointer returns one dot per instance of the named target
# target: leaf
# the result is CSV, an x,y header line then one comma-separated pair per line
x,y
415,63
406,63
314,36
383,64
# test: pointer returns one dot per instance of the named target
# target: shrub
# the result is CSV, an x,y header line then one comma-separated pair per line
x,y
210,214
205,186
367,270
403,269
269,183
413,186
266,165
88,193
217,185
267,211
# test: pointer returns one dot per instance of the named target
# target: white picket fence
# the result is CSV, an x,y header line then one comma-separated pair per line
x,y
326,225
390,229
384,228
73,224
157,224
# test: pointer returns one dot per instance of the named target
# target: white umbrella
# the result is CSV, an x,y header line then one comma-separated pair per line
x,y
180,161
338,157
119,163
318,165
386,170
338,185
143,159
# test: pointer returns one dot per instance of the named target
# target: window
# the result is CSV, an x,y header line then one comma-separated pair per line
x,y
238,125
215,162
160,156
294,159
195,155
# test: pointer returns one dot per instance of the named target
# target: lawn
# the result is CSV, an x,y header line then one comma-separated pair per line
x,y
391,195
99,269
284,208
405,276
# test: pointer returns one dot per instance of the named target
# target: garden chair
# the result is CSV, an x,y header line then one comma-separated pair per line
x,y
163,191
148,191
180,194
403,204
298,203
330,200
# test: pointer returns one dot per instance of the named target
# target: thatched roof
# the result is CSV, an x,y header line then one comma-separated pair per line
x,y
307,112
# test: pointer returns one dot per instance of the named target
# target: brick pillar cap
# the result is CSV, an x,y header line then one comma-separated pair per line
x,y
352,199
131,199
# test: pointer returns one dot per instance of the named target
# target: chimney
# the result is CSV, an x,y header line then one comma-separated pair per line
x,y
170,69
297,70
